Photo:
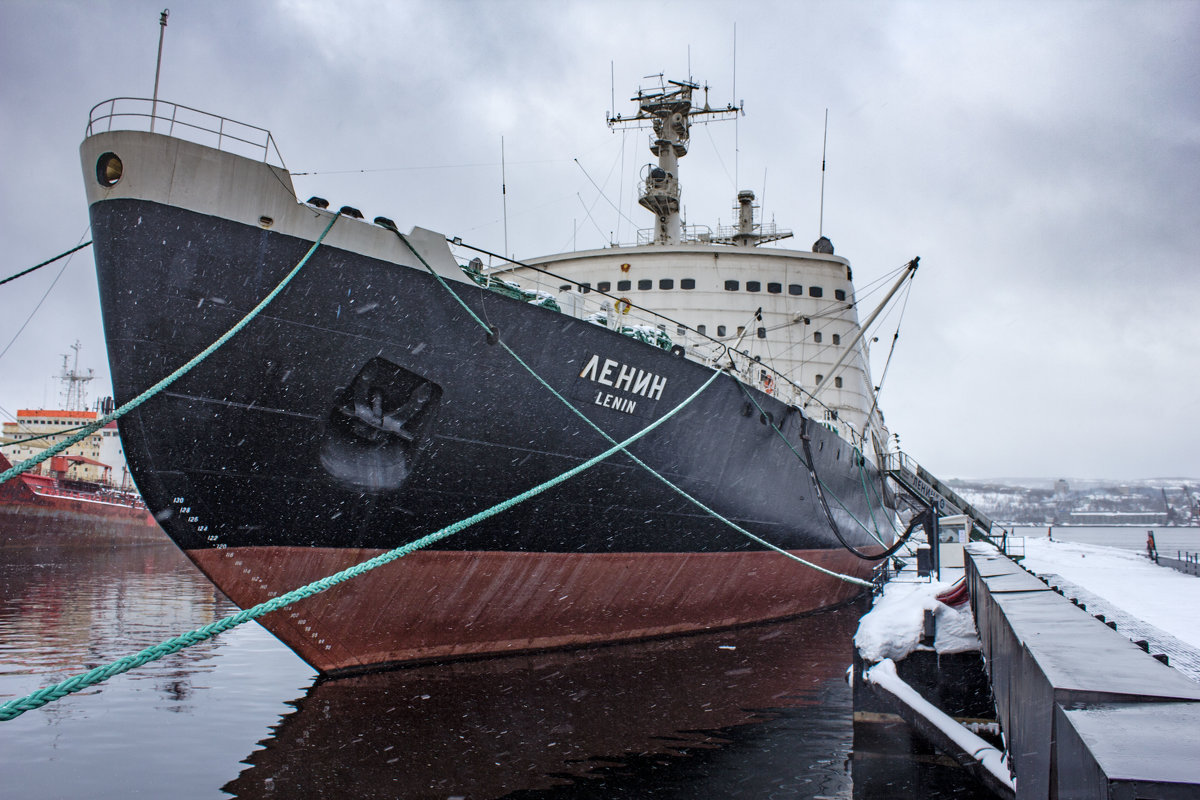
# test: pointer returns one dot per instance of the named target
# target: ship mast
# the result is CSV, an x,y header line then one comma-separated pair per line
x,y
669,110
74,382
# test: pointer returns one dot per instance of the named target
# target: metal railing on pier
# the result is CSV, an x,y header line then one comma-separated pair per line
x,y
1187,563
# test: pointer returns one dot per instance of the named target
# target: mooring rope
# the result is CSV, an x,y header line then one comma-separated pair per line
x,y
493,334
15,708
44,263
90,428
807,462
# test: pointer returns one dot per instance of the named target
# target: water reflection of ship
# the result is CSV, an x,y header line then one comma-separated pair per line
x,y
525,723
82,605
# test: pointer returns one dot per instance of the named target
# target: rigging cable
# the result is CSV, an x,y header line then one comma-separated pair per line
x,y
53,283
44,263
493,333
924,518
888,362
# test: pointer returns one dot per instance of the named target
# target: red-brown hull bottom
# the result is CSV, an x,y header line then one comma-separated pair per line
x,y
433,606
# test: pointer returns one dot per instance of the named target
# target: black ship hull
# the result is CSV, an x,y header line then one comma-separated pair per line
x,y
364,408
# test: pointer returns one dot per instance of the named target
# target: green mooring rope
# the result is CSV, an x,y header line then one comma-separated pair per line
x,y
822,487
679,490
15,708
44,263
90,428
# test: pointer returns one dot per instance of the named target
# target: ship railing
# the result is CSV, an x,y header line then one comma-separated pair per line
x,y
689,234
185,122
761,230
583,301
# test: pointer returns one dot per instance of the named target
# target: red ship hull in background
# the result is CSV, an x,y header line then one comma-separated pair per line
x,y
40,511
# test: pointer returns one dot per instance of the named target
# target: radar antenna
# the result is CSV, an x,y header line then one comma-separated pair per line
x,y
670,112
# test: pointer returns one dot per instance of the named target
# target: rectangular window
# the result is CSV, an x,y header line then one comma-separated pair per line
x,y
645,284
584,288
837,382
720,330
837,339
624,286
795,289
775,288
701,329
762,333
687,283
815,291
666,283
817,337
604,286
731,286
741,329
839,294
753,286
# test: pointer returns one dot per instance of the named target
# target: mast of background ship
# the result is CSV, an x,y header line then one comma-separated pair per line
x,y
671,113
75,383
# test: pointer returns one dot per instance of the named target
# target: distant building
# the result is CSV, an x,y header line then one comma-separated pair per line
x,y
98,458
1158,518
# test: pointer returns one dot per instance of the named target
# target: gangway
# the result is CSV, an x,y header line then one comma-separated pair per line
x,y
921,485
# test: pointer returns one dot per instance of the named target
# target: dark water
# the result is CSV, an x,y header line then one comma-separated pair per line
x,y
760,712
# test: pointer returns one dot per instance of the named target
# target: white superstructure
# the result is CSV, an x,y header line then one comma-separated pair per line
x,y
785,320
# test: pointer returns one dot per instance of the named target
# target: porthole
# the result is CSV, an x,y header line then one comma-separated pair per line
x,y
109,169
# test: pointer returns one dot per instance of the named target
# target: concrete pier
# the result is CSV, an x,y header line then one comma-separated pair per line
x,y
1086,713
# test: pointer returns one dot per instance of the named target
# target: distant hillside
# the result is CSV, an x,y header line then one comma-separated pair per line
x,y
1034,501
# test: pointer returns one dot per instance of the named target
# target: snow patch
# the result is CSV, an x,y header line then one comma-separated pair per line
x,y
1159,595
895,623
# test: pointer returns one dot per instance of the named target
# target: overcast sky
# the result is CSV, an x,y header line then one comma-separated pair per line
x,y
1043,160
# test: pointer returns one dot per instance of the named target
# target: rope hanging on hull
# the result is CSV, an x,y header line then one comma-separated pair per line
x,y
88,430
677,489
